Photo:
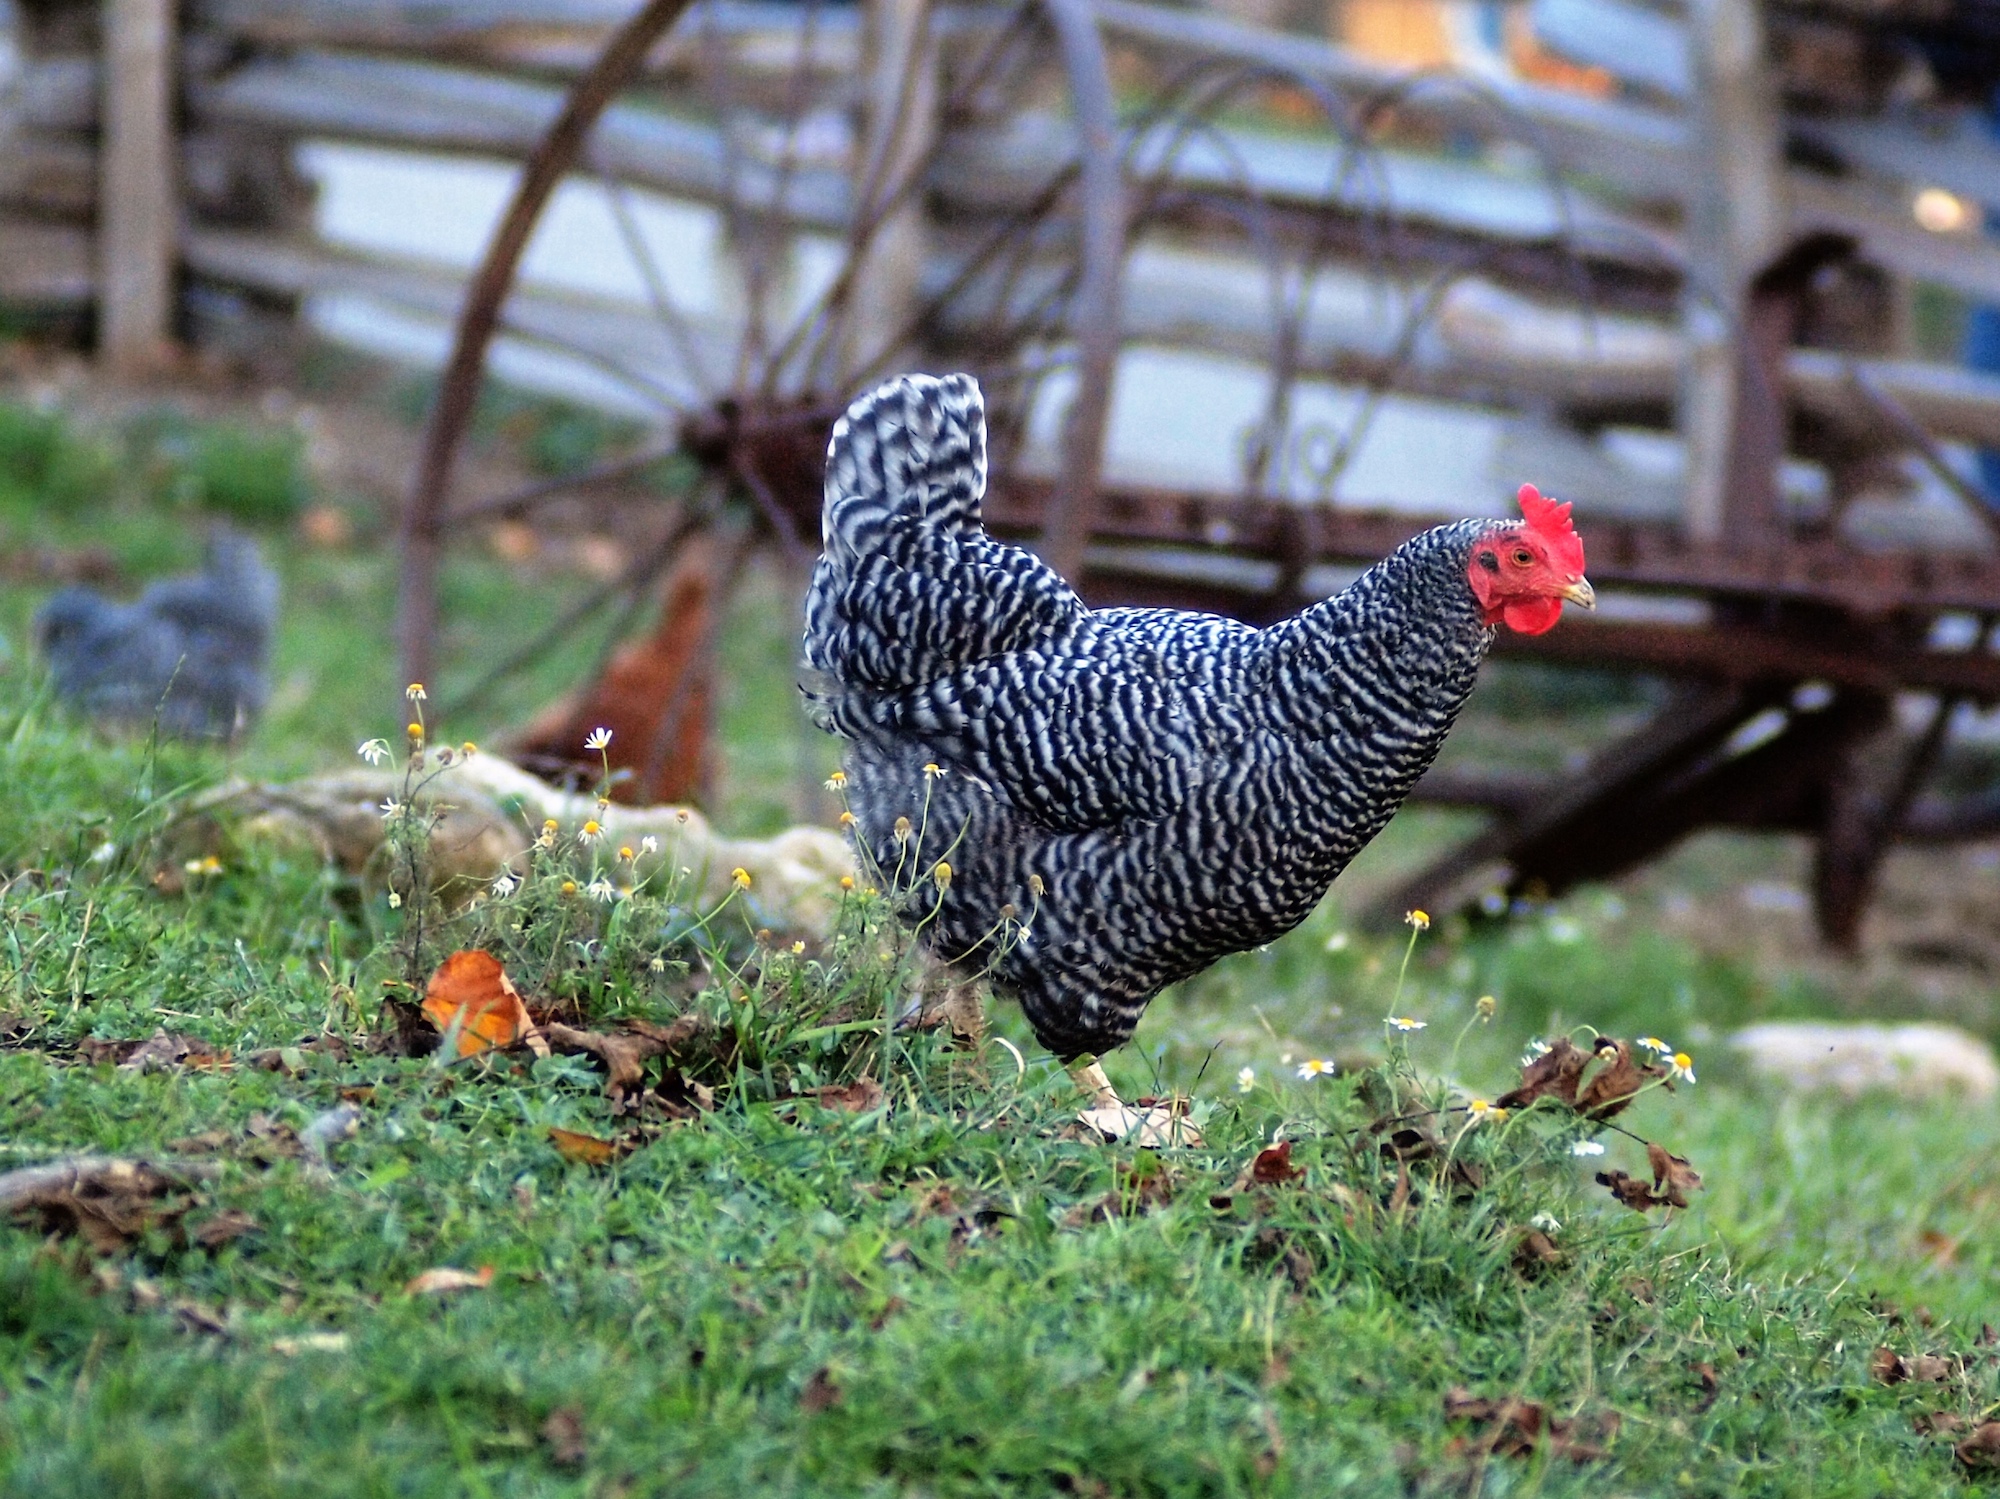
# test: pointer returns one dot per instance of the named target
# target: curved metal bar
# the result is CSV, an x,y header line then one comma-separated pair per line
x,y
1066,523
422,531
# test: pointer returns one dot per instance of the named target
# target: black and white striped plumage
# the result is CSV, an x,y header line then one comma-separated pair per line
x,y
1183,785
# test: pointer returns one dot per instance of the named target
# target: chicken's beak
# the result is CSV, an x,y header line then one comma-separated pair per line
x,y
1580,592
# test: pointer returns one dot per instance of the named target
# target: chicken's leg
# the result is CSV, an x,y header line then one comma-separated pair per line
x,y
1115,1119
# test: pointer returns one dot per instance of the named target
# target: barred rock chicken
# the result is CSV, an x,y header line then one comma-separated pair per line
x,y
1146,789
190,653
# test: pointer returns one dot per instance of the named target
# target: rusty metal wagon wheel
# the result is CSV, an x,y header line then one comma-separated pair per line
x,y
945,231
741,397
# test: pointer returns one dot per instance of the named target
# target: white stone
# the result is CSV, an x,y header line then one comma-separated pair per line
x,y
1921,1060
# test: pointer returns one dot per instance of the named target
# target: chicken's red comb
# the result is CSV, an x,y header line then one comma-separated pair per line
x,y
1551,523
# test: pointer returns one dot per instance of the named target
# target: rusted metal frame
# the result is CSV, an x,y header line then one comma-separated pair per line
x,y
1860,825
1773,308
421,533
529,496
743,465
1683,773
1066,521
1691,724
657,294
1740,654
1647,555
632,580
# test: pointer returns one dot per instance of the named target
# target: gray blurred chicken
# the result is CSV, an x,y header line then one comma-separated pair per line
x,y
192,652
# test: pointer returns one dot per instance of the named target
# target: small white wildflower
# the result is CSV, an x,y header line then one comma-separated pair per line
x,y
601,889
1655,1045
1546,1222
1246,1079
649,844
1478,1110
837,781
1683,1066
591,831
395,900
506,885
1587,1147
1404,1023
600,738
374,751
658,965
1535,1052
1316,1067
1419,920
391,810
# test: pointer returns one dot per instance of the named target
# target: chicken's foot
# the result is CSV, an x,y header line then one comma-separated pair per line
x,y
1115,1119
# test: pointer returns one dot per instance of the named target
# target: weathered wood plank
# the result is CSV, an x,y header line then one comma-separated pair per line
x,y
136,208
56,93
46,267
49,175
454,109
1646,152
757,37
1635,44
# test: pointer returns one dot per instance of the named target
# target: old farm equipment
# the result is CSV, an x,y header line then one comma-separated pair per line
x,y
1251,307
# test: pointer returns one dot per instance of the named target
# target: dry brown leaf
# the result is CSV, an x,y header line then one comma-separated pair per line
x,y
473,990
225,1227
1150,1128
563,1435
160,1050
1673,1177
446,1279
1710,1381
1937,1423
1554,1074
1612,1088
1888,1367
820,1393
1272,1166
1516,1428
861,1096
625,1051
1941,1249
1981,1450
583,1150
1536,1251
679,1096
1929,1368
1630,1190
106,1202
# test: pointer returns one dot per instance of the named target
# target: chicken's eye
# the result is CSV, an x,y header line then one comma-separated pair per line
x,y
1523,557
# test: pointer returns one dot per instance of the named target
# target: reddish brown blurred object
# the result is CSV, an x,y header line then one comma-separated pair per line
x,y
656,695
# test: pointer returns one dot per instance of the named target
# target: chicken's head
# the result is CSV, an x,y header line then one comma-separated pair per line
x,y
1522,573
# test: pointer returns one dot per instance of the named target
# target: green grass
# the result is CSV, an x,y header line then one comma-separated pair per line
x,y
942,1296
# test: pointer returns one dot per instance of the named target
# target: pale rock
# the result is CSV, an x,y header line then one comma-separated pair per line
x,y
1918,1060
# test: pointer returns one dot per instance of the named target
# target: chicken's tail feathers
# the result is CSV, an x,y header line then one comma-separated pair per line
x,y
913,448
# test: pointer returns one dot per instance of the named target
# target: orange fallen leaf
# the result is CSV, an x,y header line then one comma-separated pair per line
x,y
473,990
584,1150
448,1278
